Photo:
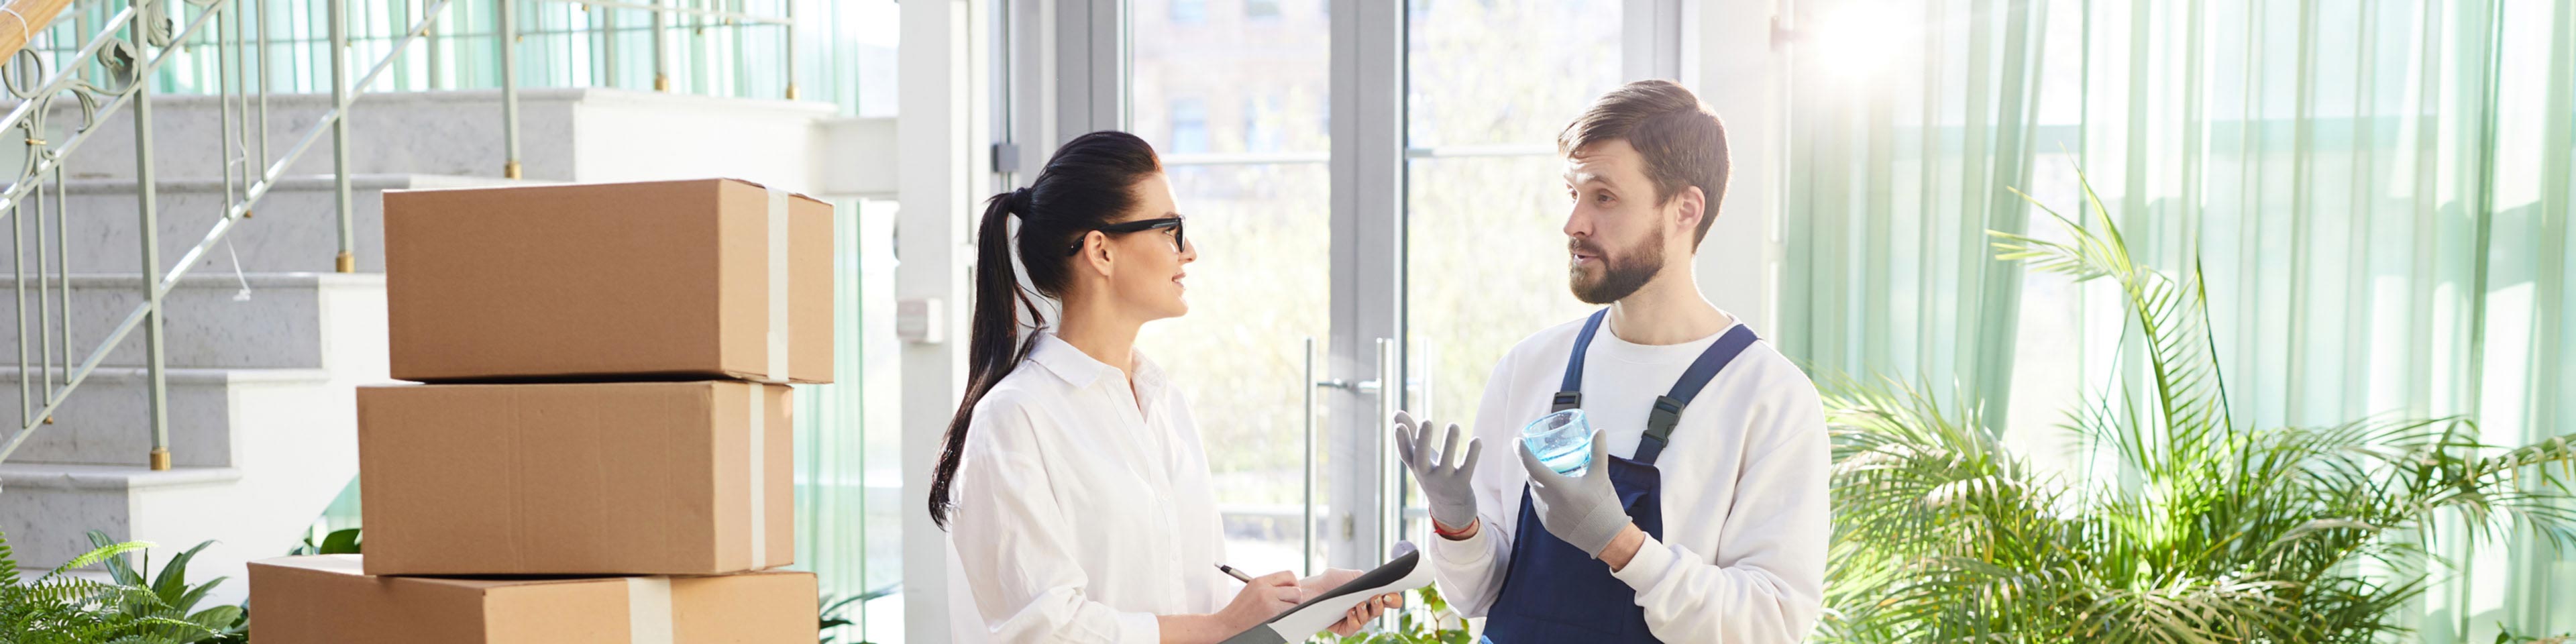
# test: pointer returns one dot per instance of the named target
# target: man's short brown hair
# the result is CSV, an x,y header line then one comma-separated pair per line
x,y
1682,141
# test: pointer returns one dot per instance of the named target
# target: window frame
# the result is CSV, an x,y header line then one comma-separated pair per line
x,y
1068,72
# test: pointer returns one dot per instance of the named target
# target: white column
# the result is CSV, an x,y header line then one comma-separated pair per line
x,y
1726,57
1090,67
944,142
1650,39
1367,267
1068,75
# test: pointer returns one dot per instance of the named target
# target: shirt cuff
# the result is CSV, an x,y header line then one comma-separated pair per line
x,y
1647,566
1471,553
1139,628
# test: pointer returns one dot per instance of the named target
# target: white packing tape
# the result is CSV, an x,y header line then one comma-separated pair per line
x,y
778,276
759,476
648,610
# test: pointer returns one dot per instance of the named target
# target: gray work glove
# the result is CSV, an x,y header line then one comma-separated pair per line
x,y
1582,510
1446,484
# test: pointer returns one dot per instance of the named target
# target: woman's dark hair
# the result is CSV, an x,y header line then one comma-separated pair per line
x,y
1089,183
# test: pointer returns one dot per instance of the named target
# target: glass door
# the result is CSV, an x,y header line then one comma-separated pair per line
x,y
1247,161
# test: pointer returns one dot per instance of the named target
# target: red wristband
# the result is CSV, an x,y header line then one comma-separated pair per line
x,y
1446,533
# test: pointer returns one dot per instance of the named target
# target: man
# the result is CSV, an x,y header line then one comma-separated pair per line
x,y
1701,516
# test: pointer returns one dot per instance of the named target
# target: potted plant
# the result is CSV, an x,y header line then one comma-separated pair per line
x,y
2185,525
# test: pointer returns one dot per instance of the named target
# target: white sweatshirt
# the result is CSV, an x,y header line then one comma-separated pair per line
x,y
1742,556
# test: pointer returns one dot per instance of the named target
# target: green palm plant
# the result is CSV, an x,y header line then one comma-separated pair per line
x,y
168,595
2181,525
60,608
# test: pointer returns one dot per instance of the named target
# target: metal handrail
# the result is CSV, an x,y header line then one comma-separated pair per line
x,y
691,11
25,15
508,42
157,284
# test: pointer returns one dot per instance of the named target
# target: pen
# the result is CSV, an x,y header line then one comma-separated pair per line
x,y
1237,574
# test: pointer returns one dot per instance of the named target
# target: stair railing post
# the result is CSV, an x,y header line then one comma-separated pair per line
x,y
147,204
509,19
347,262
661,61
790,26
18,289
224,100
436,63
608,47
699,70
44,303
63,262
262,138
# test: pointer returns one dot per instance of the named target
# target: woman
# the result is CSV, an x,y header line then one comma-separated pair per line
x,y
1072,478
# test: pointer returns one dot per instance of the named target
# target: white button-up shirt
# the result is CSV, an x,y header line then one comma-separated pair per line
x,y
1083,506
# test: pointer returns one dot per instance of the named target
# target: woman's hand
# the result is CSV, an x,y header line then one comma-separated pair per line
x,y
1265,597
1360,614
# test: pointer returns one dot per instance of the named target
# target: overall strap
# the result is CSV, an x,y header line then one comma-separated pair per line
x,y
1668,408
1570,394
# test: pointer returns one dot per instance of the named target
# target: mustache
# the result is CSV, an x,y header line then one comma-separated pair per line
x,y
1584,246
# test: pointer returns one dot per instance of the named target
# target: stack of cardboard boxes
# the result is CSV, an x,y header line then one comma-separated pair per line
x,y
603,453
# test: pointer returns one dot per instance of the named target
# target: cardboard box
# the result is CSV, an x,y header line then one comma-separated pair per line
x,y
634,478
712,278
326,600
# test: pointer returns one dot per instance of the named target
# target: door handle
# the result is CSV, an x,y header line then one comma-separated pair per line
x,y
1390,489
1306,529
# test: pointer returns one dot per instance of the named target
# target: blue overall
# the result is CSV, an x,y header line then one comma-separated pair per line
x,y
1555,592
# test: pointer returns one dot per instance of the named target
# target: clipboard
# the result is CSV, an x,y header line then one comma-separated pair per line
x,y
1402,573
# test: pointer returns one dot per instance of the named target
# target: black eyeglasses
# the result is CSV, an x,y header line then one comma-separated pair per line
x,y
1179,243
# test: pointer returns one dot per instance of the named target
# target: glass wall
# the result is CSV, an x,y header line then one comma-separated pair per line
x,y
1487,87
842,47
1247,161
849,476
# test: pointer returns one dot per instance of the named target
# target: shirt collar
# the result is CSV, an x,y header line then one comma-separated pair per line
x,y
1609,345
1060,358
1080,369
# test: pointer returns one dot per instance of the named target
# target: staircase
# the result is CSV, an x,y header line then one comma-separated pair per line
x,y
263,352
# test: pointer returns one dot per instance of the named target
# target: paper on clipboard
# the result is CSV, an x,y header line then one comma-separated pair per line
x,y
1403,573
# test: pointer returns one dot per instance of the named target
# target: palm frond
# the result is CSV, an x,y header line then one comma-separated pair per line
x,y
8,562
99,554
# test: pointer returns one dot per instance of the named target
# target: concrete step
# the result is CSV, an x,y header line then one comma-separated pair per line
x,y
565,134
283,320
107,419
292,440
303,454
293,228
49,509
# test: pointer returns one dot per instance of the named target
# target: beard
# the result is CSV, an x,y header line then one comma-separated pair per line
x,y
1620,275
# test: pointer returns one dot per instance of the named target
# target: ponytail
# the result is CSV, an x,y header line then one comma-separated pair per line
x,y
1088,183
